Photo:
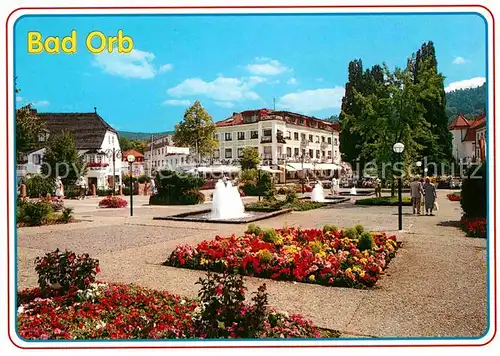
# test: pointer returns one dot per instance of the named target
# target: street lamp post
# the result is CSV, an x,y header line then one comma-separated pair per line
x,y
399,148
419,164
131,159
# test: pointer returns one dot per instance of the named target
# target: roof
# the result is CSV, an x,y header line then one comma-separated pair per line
x,y
474,125
88,129
134,153
459,122
268,114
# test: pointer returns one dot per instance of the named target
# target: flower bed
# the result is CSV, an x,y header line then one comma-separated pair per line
x,y
453,196
112,202
473,227
351,257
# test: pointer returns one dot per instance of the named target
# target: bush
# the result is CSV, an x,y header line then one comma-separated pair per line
x,y
143,179
103,192
33,213
253,229
224,312
384,201
474,193
67,215
366,241
359,228
351,233
112,202
65,272
177,189
37,186
249,176
328,228
126,180
291,197
270,235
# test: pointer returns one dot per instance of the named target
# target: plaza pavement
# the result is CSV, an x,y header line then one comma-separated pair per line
x,y
435,287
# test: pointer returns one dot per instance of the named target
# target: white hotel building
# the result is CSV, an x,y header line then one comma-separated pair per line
x,y
281,138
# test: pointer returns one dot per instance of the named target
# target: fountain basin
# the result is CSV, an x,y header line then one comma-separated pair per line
x,y
330,200
206,216
362,193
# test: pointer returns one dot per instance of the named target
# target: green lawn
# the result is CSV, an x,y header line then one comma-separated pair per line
x,y
384,201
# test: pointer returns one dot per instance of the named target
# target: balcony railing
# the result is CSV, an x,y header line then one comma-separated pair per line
x,y
266,139
97,165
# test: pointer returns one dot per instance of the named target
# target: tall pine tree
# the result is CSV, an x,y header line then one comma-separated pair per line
x,y
438,146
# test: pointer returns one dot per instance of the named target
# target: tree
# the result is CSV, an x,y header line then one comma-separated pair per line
x,y
250,158
61,159
28,126
438,146
128,144
196,131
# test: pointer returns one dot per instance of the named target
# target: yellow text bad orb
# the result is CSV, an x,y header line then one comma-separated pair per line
x,y
96,42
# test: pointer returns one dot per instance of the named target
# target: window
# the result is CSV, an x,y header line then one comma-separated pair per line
x,y
216,136
113,139
329,140
254,134
302,121
162,163
295,151
182,160
289,152
109,139
228,136
329,153
268,150
288,135
303,137
322,138
317,154
323,154
37,159
296,136
335,141
317,139
241,135
266,132
158,151
162,151
240,152
217,153
228,153
311,153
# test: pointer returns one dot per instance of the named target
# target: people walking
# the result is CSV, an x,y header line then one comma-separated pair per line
x,y
417,191
378,188
430,196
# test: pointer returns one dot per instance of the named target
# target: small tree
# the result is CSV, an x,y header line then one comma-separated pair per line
x,y
474,194
250,158
61,159
196,131
28,126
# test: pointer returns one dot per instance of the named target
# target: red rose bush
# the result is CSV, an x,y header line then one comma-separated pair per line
x,y
453,196
112,202
473,227
351,257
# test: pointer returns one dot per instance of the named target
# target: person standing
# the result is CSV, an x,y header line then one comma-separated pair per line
x,y
335,186
378,188
59,188
417,191
153,186
430,196
81,184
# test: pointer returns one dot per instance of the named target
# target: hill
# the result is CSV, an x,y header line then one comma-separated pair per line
x,y
469,102
143,136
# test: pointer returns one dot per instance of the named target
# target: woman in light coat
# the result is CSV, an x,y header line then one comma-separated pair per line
x,y
430,196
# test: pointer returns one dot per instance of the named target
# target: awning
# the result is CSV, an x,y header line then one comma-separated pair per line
x,y
214,169
288,168
299,166
327,166
269,169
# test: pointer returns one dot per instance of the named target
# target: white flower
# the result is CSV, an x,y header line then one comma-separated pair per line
x,y
101,324
183,302
20,310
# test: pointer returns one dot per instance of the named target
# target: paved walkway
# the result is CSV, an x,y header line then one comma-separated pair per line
x,y
436,285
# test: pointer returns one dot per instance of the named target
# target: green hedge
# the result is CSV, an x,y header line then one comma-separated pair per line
x,y
175,188
37,186
384,201
474,192
188,198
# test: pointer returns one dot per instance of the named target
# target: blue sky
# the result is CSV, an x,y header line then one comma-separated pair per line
x,y
231,63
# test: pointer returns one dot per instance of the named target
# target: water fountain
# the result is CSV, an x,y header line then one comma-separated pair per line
x,y
226,202
318,195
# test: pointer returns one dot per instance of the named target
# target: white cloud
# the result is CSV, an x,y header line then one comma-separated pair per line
x,y
174,102
309,101
292,81
266,66
220,89
165,68
465,84
136,64
459,60
224,104
19,98
41,103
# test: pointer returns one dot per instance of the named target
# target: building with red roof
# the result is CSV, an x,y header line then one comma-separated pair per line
x,y
469,138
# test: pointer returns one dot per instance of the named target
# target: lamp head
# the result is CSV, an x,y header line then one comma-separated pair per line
x,y
130,158
398,147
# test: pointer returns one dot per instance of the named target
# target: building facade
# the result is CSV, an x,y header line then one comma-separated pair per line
x,y
162,154
469,139
279,136
95,140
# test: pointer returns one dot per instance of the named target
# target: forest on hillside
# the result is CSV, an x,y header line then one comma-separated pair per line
x,y
469,102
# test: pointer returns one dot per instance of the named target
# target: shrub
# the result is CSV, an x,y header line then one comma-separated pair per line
x,y
473,195
143,179
177,189
351,233
33,213
249,176
366,241
103,192
473,227
265,256
62,272
56,203
113,202
37,186
270,235
253,229
224,312
291,197
384,201
126,180
359,228
67,215
328,228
